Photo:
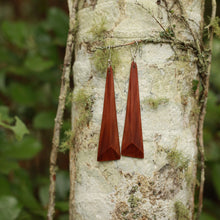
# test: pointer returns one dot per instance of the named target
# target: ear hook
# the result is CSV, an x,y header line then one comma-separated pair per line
x,y
109,58
135,52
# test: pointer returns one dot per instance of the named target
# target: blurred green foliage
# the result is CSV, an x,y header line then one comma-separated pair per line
x,y
212,141
31,55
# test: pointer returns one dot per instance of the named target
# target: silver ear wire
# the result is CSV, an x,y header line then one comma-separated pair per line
x,y
109,58
133,55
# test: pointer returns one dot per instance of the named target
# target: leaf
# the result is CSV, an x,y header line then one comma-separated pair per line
x,y
4,114
38,64
216,178
7,57
211,209
62,185
215,77
27,199
216,47
44,195
63,217
24,191
206,216
9,208
63,206
6,165
11,62
45,45
21,177
44,120
213,151
57,21
22,94
19,128
213,112
2,81
16,32
26,148
5,187
24,216
18,69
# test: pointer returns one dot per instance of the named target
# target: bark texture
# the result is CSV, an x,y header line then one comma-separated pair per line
x,y
160,186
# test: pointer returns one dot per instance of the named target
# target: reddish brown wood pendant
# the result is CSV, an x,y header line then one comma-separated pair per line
x,y
132,143
109,148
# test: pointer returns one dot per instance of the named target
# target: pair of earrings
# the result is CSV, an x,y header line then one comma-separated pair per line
x,y
132,142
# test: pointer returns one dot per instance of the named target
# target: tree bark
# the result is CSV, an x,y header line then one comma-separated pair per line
x,y
160,186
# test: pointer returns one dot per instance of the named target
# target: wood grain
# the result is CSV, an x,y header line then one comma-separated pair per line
x,y
132,143
109,148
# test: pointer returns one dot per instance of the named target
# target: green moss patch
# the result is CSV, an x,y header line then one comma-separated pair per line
x,y
182,212
84,102
176,159
155,102
100,59
68,141
99,29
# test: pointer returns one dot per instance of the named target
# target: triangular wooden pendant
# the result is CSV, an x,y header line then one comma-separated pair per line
x,y
109,148
132,143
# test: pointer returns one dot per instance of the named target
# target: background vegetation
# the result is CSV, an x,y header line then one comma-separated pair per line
x,y
32,42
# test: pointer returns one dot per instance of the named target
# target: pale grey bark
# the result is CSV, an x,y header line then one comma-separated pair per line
x,y
160,186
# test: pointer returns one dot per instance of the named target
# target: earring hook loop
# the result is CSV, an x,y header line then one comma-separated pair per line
x,y
134,54
109,58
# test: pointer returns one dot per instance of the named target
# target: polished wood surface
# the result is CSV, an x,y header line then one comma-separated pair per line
x,y
109,148
132,143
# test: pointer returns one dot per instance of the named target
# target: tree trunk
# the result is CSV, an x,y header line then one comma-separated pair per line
x,y
160,186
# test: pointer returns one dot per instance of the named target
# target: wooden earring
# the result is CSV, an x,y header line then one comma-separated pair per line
x,y
132,143
109,148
